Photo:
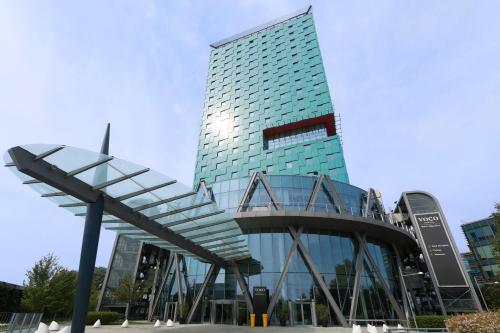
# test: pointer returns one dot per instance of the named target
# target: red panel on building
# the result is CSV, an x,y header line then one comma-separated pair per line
x,y
327,120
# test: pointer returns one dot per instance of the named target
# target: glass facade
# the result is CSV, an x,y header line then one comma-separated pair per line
x,y
294,137
268,78
334,256
480,235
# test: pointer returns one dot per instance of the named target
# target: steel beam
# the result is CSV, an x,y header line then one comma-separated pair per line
x,y
357,280
314,193
336,196
48,153
89,166
88,254
149,189
180,210
196,227
212,271
163,281
319,279
388,292
243,287
119,179
194,218
160,202
404,293
284,271
249,189
106,276
269,190
179,279
73,186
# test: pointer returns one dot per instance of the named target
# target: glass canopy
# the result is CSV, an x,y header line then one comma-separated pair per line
x,y
163,200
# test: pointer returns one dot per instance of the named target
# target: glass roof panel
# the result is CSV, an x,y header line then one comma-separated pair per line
x,y
38,149
183,209
69,158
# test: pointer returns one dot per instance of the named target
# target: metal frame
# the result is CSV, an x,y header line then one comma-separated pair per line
x,y
357,280
119,179
336,196
249,188
160,202
314,193
163,281
57,178
269,190
212,271
404,292
284,271
388,292
149,189
317,276
243,287
179,210
178,277
106,276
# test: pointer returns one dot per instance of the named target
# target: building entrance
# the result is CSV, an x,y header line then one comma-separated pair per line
x,y
223,312
303,313
170,311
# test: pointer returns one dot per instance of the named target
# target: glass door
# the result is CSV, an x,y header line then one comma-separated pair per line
x,y
170,311
303,313
223,312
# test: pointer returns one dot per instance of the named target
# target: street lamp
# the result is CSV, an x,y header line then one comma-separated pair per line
x,y
410,301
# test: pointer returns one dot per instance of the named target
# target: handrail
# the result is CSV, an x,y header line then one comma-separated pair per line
x,y
324,208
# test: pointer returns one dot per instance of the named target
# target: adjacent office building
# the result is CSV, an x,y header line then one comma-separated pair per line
x,y
272,221
480,235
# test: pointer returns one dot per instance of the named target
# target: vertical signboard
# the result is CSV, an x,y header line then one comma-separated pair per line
x,y
260,303
439,249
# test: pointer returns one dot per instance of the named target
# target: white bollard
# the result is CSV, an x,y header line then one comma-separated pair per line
x,y
170,323
372,329
97,323
356,328
42,328
400,326
65,330
384,328
157,323
54,326
125,324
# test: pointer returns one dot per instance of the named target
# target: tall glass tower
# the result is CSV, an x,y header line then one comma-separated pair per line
x,y
268,107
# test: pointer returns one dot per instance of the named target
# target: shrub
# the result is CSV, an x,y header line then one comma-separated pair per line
x,y
107,317
322,312
482,322
430,321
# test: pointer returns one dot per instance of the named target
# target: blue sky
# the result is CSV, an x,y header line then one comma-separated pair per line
x,y
417,85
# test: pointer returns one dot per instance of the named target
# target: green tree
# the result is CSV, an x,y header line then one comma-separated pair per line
x,y
97,282
37,288
128,291
491,293
61,295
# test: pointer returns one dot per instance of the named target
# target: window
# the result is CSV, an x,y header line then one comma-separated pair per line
x,y
251,159
235,139
269,168
234,174
309,161
203,168
252,146
235,150
220,143
293,137
218,178
235,162
269,156
289,165
218,165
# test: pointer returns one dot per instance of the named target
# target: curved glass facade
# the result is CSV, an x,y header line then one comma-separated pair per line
x,y
293,194
333,254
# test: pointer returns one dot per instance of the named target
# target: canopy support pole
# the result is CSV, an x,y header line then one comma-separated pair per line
x,y
90,241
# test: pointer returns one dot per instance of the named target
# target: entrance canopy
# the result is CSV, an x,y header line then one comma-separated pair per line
x,y
138,202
